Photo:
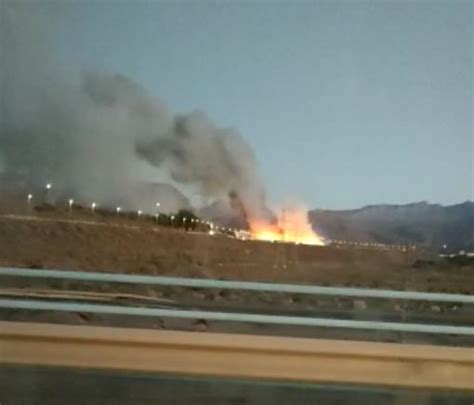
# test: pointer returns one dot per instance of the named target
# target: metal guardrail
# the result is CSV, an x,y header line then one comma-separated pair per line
x,y
237,356
236,285
43,305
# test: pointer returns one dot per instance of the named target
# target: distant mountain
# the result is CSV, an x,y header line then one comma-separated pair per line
x,y
423,224
427,225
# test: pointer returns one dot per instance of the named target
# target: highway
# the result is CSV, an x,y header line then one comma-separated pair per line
x,y
42,305
234,285
237,356
34,385
48,363
43,295
119,347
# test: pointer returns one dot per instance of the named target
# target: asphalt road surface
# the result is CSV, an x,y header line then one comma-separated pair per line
x,y
33,385
64,386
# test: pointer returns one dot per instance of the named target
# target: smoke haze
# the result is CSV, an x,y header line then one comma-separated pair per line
x,y
96,133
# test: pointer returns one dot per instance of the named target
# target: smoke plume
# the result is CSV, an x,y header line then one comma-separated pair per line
x,y
97,134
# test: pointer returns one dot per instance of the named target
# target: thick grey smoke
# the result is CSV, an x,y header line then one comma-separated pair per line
x,y
96,135
217,160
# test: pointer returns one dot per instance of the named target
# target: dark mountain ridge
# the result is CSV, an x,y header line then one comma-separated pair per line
x,y
427,225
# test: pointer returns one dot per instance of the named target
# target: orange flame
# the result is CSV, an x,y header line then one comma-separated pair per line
x,y
292,227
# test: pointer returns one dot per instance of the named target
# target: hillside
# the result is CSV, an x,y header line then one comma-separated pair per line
x,y
427,225
106,243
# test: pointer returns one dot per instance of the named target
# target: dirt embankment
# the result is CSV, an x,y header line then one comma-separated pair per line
x,y
137,246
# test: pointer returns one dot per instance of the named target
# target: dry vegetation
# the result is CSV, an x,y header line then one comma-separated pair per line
x,y
107,243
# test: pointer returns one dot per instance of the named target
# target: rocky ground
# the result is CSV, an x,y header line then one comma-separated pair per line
x,y
57,239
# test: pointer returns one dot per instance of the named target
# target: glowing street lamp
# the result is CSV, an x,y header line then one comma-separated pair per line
x,y
157,211
30,197
47,189
93,207
118,209
70,202
139,212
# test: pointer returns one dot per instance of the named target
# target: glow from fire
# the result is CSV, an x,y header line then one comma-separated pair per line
x,y
293,227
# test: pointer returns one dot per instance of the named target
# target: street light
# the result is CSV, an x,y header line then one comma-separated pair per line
x,y
118,209
93,206
139,212
46,192
71,202
157,211
30,197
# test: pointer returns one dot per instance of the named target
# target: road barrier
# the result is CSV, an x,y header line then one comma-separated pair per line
x,y
43,305
236,285
237,356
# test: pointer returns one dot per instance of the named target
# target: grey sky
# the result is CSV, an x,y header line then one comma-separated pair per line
x,y
346,103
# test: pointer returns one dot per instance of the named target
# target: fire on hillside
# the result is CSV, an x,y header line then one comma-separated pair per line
x,y
292,227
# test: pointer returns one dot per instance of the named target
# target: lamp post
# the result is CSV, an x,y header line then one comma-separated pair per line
x,y
47,190
157,211
70,203
93,207
117,210
30,198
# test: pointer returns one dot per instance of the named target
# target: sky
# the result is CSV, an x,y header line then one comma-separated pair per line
x,y
345,103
